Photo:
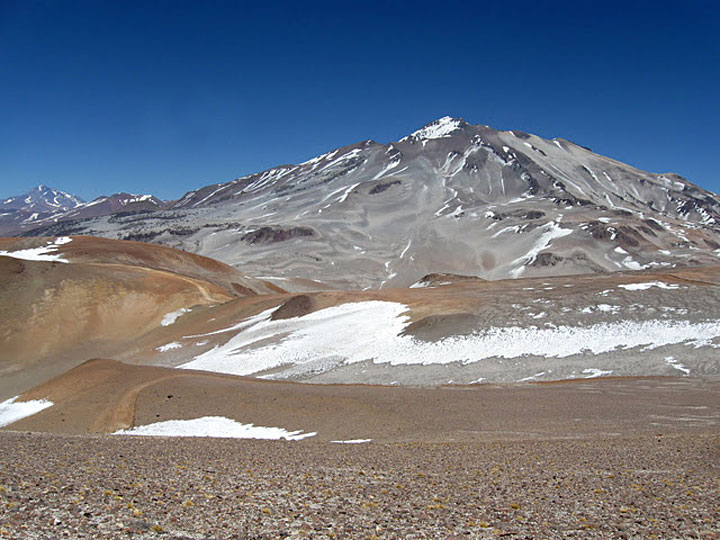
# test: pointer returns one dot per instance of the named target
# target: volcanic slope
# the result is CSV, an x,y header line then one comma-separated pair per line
x,y
451,198
64,300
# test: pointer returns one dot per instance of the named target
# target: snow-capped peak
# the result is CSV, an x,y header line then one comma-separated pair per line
x,y
132,198
42,198
438,129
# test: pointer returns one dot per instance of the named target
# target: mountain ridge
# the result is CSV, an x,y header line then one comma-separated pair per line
x,y
415,135
451,197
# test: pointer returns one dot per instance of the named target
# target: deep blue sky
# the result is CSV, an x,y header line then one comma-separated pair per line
x,y
163,97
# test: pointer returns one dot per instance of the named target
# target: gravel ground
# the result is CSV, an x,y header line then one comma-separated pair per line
x,y
645,486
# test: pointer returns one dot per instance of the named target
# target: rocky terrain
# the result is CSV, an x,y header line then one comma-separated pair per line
x,y
659,484
603,458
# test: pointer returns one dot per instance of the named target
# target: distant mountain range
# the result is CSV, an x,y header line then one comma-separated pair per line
x,y
451,197
42,205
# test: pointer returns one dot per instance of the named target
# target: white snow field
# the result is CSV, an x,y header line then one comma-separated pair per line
x,y
356,332
12,410
42,253
213,426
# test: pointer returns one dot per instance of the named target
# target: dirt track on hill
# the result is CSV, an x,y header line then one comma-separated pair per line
x,y
103,396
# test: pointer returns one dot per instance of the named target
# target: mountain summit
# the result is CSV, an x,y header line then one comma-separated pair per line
x,y
451,197
31,209
443,127
41,199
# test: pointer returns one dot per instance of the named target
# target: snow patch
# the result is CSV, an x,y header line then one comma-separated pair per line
x,y
551,231
213,426
677,365
404,251
594,372
444,127
169,347
12,410
532,377
353,441
245,323
42,253
356,332
170,318
649,284
632,264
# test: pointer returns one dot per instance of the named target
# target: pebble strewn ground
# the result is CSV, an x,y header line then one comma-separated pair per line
x,y
649,486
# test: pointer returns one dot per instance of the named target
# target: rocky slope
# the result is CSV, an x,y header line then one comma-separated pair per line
x,y
451,197
640,486
524,461
104,396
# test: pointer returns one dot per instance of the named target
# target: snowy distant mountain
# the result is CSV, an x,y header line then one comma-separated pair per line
x,y
41,199
113,204
44,205
451,197
26,211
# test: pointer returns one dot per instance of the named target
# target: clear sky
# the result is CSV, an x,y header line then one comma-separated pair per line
x,y
162,97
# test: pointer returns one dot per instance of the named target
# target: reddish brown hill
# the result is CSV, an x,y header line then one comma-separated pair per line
x,y
88,249
107,295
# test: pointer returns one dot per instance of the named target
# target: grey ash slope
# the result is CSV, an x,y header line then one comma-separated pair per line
x,y
451,197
